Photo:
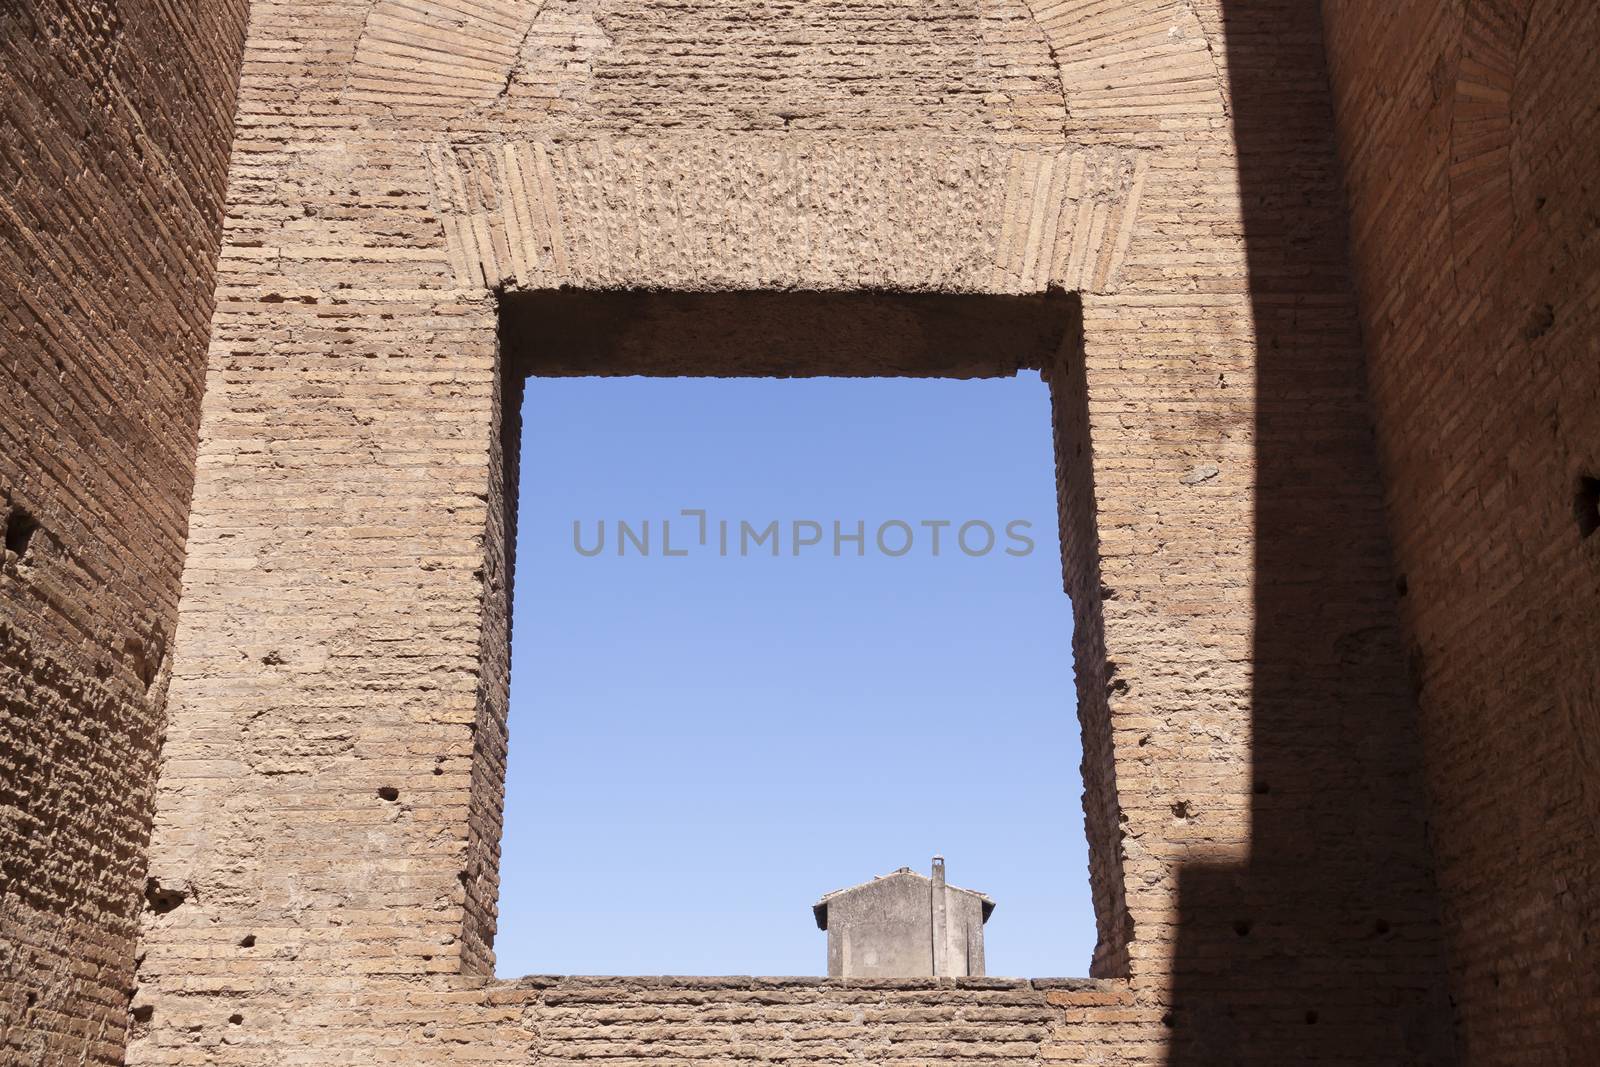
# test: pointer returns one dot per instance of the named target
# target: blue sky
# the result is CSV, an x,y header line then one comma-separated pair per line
x,y
702,745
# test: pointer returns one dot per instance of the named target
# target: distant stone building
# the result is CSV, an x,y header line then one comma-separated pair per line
x,y
903,925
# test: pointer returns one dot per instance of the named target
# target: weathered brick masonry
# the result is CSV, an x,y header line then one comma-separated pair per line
x,y
413,181
1471,135
328,810
115,123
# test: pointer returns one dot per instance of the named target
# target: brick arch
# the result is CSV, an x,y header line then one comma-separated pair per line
x,y
1122,65
1045,68
448,54
547,79
1479,178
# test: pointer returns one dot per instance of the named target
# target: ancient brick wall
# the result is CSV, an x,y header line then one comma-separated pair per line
x,y
328,816
115,124
1469,133
559,1021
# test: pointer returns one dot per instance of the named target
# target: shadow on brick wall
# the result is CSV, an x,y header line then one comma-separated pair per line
x,y
1324,946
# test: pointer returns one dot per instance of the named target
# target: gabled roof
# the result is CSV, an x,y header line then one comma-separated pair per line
x,y
820,908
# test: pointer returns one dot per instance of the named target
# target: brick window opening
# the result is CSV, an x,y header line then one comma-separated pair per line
x,y
560,808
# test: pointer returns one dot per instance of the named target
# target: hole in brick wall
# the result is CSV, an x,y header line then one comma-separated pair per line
x,y
1540,321
20,528
144,664
133,650
143,1013
388,792
1586,504
247,941
161,899
658,687
235,1019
